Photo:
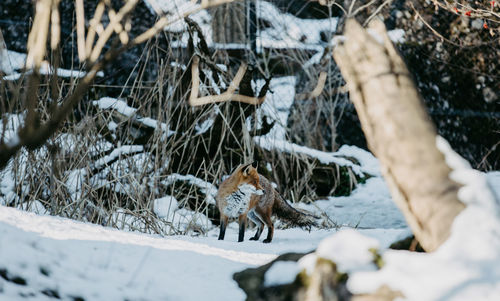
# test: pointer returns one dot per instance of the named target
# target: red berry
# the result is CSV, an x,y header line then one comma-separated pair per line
x,y
468,13
485,25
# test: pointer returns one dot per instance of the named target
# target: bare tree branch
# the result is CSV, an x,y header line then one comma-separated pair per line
x,y
32,134
229,95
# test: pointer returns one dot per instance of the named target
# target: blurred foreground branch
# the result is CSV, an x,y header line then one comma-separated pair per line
x,y
399,132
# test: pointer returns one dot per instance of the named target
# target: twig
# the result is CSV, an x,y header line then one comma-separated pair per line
x,y
317,90
80,29
95,26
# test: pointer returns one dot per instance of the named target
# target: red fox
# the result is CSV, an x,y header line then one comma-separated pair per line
x,y
246,193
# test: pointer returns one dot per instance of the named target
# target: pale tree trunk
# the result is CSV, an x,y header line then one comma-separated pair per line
x,y
228,23
3,52
2,42
399,132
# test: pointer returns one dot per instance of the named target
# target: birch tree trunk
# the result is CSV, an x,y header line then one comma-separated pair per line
x,y
399,132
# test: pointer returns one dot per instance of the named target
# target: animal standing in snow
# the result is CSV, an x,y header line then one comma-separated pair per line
x,y
244,194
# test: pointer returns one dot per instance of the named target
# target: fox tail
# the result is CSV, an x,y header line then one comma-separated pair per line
x,y
293,216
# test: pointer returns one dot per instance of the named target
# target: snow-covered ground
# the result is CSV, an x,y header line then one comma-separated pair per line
x,y
41,256
45,255
465,267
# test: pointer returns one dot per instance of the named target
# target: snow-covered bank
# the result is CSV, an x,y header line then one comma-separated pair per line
x,y
53,255
369,206
467,265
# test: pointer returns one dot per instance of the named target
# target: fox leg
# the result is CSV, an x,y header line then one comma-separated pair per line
x,y
254,216
270,227
223,224
242,219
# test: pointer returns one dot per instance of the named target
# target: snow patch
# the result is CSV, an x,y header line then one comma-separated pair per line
x,y
277,105
96,263
11,60
120,106
288,31
466,266
370,164
395,35
34,206
207,188
370,205
165,206
349,250
280,273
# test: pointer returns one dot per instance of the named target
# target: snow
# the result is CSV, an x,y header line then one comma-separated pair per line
x,y
12,61
75,182
277,105
13,122
116,153
170,6
467,265
165,206
178,219
349,249
277,108
95,263
324,157
282,272
176,9
367,161
369,206
207,188
120,106
395,35
103,263
69,143
35,207
284,30
288,31
204,126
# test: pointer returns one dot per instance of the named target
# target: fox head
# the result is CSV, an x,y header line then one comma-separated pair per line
x,y
247,174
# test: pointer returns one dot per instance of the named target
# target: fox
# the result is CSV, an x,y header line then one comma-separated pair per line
x,y
248,194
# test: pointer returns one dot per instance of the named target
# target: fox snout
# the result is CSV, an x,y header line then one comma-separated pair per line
x,y
257,185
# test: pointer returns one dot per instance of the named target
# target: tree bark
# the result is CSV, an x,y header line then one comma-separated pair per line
x,y
228,23
399,132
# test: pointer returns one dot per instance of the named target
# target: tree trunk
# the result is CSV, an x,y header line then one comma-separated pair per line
x,y
399,132
228,23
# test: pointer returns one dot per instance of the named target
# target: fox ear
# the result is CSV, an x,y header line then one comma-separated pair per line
x,y
246,169
255,164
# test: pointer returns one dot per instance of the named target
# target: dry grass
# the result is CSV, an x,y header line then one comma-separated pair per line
x,y
77,175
